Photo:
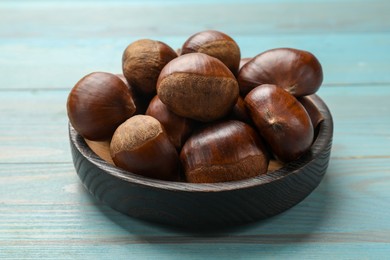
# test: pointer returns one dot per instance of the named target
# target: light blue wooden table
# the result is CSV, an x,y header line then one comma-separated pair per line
x,y
46,46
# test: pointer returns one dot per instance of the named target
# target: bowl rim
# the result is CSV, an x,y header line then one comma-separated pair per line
x,y
324,137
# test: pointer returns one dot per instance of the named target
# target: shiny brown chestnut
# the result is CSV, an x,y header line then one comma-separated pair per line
x,y
141,146
240,112
98,104
142,62
243,61
314,114
177,128
197,86
216,44
281,120
141,101
222,152
297,71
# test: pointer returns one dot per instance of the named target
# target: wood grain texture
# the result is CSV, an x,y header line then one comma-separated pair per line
x,y
333,220
250,17
56,52
58,63
46,46
33,127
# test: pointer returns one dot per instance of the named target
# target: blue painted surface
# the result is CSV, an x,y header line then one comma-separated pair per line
x,y
46,46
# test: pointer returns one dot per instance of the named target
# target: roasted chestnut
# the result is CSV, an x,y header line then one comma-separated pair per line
x,y
140,145
141,101
281,120
297,71
198,86
142,62
243,61
216,44
315,115
240,112
98,104
177,128
224,151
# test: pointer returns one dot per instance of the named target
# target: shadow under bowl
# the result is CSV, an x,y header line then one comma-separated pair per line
x,y
203,205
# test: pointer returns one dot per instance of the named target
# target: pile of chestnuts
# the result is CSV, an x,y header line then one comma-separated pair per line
x,y
200,114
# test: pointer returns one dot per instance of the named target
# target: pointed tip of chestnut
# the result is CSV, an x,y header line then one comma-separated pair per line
x,y
98,104
216,44
298,72
222,152
140,145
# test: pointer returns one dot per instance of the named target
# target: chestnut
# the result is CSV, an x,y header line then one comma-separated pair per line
x,y
142,62
224,151
177,128
297,71
281,120
240,112
314,114
243,61
141,145
216,44
198,86
98,104
141,101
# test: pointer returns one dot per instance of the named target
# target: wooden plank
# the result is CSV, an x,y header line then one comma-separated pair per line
x,y
62,19
58,58
195,251
51,63
33,126
45,211
358,132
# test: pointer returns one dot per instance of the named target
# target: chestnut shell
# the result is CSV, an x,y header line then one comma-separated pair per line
x,y
198,86
224,151
142,62
216,44
298,72
140,145
281,120
177,128
98,104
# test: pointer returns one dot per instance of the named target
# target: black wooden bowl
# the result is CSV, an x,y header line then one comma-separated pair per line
x,y
202,205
